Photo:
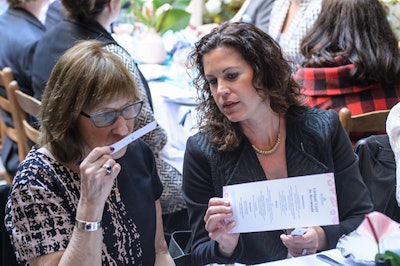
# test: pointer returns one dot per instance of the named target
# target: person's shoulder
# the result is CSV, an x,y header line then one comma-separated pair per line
x,y
198,139
33,167
50,37
117,49
305,111
313,117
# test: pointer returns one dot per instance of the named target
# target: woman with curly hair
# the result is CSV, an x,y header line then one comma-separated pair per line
x,y
253,127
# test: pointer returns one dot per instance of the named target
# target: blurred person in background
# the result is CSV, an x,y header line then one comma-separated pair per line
x,y
289,22
351,59
20,29
55,13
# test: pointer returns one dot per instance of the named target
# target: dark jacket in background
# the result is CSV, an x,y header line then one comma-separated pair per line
x,y
53,45
19,31
378,169
55,13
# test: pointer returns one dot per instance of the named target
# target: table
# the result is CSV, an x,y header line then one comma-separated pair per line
x,y
174,110
329,257
310,260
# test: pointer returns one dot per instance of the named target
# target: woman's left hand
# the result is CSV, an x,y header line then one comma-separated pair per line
x,y
97,172
305,244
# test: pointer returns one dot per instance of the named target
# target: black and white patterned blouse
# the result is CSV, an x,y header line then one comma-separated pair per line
x,y
40,212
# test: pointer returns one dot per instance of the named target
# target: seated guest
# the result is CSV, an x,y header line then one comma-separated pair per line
x,y
378,168
73,202
20,29
253,127
92,20
393,131
256,12
289,22
351,59
55,13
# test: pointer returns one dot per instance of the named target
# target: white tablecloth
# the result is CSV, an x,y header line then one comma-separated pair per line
x,y
310,260
174,109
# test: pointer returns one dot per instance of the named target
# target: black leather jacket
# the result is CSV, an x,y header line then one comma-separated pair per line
x,y
315,143
378,169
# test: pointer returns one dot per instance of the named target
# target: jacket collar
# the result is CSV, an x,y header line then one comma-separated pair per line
x,y
24,14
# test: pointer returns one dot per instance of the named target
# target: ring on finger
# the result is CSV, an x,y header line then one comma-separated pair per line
x,y
108,169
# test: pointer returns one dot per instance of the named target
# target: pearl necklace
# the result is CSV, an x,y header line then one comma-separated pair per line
x,y
274,148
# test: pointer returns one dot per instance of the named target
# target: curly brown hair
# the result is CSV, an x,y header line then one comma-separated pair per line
x,y
272,78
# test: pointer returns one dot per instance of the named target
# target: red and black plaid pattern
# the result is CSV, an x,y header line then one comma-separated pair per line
x,y
332,88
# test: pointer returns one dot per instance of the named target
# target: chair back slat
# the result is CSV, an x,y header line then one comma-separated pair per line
x,y
28,104
6,76
374,121
24,106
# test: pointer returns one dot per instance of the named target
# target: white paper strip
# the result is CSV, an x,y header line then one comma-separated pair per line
x,y
133,136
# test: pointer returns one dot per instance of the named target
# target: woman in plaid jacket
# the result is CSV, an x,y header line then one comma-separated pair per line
x,y
351,58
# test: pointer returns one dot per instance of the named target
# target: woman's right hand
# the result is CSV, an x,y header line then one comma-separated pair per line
x,y
216,223
96,183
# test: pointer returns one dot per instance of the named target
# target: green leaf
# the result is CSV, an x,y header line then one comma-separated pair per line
x,y
175,20
181,4
394,257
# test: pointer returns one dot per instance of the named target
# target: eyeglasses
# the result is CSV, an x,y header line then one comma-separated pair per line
x,y
108,118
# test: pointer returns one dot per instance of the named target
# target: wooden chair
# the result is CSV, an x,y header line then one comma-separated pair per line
x,y
24,106
374,121
6,76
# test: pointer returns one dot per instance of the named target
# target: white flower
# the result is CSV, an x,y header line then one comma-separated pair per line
x,y
213,6
163,8
227,2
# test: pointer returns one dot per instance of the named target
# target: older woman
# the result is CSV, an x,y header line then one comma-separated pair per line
x,y
73,202
253,127
92,19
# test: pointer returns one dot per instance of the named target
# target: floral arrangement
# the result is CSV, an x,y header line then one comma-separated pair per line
x,y
378,226
162,15
217,11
